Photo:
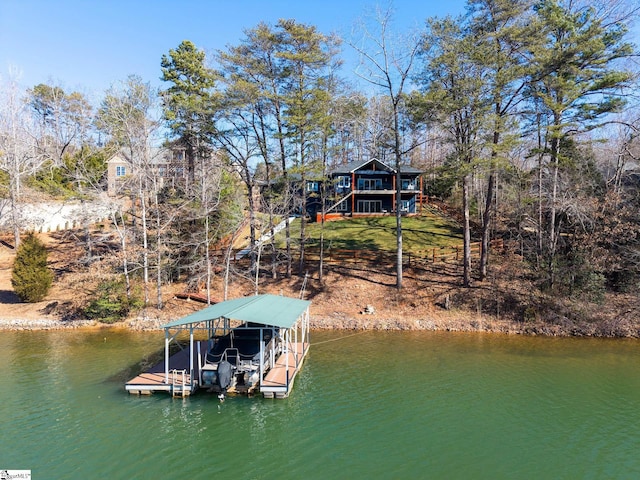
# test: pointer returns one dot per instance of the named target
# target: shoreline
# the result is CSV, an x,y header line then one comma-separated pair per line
x,y
458,322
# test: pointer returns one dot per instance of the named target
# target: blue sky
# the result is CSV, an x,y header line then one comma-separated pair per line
x,y
87,45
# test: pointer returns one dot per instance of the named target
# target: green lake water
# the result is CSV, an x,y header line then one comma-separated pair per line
x,y
391,405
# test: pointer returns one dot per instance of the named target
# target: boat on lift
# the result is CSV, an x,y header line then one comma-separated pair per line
x,y
246,345
232,362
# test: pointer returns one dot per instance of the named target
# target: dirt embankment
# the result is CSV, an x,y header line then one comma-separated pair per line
x,y
350,297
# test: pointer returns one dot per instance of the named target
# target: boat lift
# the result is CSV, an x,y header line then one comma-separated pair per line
x,y
286,319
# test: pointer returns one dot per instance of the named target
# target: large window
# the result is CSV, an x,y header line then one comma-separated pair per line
x,y
313,186
369,206
369,184
121,171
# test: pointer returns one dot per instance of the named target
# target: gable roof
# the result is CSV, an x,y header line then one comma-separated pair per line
x,y
158,156
372,164
270,310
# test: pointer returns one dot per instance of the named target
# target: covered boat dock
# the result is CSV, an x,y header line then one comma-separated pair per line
x,y
281,323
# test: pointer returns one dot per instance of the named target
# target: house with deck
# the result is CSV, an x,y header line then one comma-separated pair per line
x,y
369,187
167,165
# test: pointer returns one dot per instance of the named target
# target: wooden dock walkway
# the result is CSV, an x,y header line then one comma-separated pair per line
x,y
279,380
154,379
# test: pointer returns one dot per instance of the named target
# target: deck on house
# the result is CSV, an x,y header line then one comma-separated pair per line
x,y
179,384
279,380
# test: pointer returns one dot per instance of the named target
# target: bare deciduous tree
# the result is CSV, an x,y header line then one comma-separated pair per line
x,y
386,62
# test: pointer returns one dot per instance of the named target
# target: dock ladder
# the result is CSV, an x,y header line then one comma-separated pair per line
x,y
178,389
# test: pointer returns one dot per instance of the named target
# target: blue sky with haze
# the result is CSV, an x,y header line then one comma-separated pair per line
x,y
88,45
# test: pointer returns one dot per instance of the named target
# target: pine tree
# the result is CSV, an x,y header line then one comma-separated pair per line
x,y
188,103
31,278
576,81
455,90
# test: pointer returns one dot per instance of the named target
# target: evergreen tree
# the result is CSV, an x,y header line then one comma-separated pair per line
x,y
188,102
576,82
502,31
31,279
455,91
308,57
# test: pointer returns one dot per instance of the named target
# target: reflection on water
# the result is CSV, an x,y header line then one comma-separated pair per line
x,y
377,404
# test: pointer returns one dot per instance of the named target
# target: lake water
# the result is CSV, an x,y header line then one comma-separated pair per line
x,y
372,405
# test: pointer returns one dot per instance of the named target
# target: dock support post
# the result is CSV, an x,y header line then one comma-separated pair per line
x,y
191,355
261,373
166,356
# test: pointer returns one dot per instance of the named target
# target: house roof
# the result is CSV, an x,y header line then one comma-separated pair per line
x,y
363,164
158,156
270,310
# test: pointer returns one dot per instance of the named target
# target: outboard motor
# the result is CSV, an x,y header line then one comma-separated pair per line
x,y
225,374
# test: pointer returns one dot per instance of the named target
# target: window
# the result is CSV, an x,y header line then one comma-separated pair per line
x,y
313,186
344,182
405,205
369,184
369,206
121,171
408,184
343,206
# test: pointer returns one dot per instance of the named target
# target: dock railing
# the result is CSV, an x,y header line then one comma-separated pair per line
x,y
268,349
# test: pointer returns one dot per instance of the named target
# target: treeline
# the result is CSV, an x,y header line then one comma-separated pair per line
x,y
522,113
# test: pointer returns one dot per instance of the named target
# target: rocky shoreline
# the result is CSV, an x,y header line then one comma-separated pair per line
x,y
460,322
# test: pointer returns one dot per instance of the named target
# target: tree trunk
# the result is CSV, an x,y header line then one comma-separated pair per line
x,y
122,233
553,228
86,225
486,227
303,224
159,303
145,241
207,256
252,220
399,271
466,281
396,134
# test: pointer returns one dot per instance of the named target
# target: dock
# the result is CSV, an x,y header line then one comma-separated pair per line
x,y
177,380
283,321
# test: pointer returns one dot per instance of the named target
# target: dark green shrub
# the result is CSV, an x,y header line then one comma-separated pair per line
x,y
110,303
31,278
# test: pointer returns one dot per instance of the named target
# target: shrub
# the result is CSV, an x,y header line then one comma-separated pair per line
x,y
110,303
31,278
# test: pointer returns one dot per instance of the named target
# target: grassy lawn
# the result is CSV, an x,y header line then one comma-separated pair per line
x,y
379,233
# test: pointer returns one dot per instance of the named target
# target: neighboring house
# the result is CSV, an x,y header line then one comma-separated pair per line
x,y
118,167
369,188
167,165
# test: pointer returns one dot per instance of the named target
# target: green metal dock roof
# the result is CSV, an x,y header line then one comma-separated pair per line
x,y
271,310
